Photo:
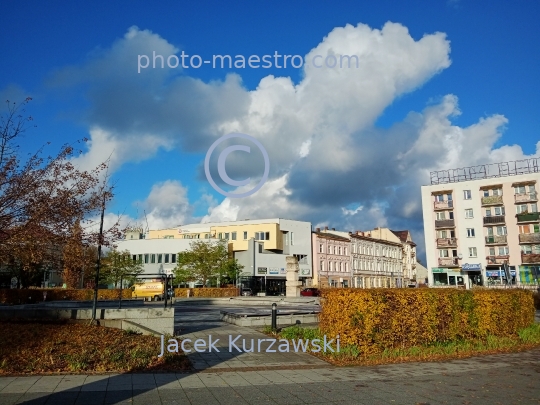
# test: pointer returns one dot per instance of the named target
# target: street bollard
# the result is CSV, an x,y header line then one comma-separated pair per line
x,y
274,316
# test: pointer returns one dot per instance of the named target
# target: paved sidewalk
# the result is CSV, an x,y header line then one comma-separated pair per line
x,y
203,322
502,379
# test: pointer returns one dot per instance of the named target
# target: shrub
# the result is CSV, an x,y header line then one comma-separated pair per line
x,y
206,292
537,301
23,295
374,320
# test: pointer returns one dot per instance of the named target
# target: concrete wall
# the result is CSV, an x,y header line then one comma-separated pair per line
x,y
158,320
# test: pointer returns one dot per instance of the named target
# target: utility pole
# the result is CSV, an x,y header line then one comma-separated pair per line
x,y
94,304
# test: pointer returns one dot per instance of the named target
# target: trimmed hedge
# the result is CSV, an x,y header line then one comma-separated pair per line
x,y
24,296
377,319
206,292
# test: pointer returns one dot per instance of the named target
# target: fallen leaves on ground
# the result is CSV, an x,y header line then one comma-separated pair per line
x,y
44,347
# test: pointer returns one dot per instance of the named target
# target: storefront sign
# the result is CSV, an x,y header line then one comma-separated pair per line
x,y
471,267
438,270
274,271
498,273
305,271
282,271
262,270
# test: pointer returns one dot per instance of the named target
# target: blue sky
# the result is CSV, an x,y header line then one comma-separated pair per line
x,y
469,95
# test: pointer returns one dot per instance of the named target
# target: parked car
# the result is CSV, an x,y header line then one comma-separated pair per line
x,y
246,292
309,292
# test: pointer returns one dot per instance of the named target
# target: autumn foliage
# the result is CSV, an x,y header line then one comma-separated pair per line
x,y
34,295
206,292
377,319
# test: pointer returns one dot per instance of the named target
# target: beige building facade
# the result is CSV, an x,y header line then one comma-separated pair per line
x,y
479,220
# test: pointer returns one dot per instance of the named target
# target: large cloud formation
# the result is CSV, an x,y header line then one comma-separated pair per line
x,y
330,164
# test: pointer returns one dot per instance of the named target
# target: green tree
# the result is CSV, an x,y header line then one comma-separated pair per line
x,y
120,265
206,261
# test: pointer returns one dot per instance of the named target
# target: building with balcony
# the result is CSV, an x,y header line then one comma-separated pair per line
x,y
477,220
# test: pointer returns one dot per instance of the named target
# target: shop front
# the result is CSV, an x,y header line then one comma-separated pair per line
x,y
449,277
529,275
496,275
474,274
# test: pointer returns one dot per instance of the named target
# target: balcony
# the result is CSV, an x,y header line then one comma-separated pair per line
x,y
443,205
492,200
496,239
446,242
532,217
448,262
495,219
527,197
497,259
444,223
531,258
529,238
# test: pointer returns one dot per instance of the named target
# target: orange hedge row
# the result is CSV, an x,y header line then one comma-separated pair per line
x,y
206,292
377,319
24,296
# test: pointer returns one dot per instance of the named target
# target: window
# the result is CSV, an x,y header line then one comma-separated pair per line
x,y
492,251
534,207
497,191
321,248
152,258
173,258
469,213
442,234
439,197
536,249
486,193
520,190
524,229
472,252
262,235
440,216
321,265
227,235
536,229
443,253
451,215
159,258
146,258
531,188
470,232
449,197
339,250
134,258
292,241
330,266
521,208
166,258
340,267
526,249
501,230
140,258
467,195
206,236
233,236
499,210
503,251
345,251
220,235
267,235
245,235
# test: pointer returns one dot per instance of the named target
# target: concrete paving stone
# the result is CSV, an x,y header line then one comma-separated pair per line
x,y
192,381
212,380
119,387
200,396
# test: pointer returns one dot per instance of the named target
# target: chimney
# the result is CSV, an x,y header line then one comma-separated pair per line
x,y
325,228
317,229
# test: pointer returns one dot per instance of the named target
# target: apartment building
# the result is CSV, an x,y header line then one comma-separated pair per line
x,y
331,259
477,220
346,259
408,248
261,246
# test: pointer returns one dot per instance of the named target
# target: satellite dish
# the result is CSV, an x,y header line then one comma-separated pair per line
x,y
460,256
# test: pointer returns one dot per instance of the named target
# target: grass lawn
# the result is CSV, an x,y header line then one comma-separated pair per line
x,y
48,347
351,355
